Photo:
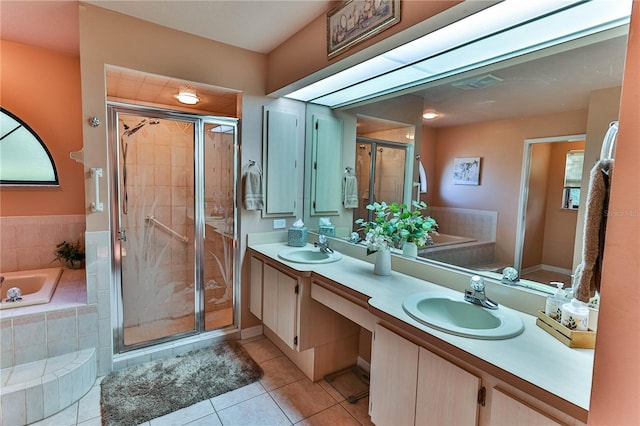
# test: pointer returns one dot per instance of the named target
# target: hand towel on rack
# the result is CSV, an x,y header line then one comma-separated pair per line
x,y
253,198
350,192
587,274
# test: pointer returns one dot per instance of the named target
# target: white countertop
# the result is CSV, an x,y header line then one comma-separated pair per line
x,y
534,356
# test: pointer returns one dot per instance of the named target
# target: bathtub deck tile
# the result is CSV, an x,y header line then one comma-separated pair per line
x,y
18,413
25,372
34,402
59,362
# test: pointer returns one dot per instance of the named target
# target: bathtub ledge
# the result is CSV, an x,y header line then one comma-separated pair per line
x,y
39,389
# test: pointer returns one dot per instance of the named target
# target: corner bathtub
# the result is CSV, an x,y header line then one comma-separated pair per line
x,y
440,240
37,286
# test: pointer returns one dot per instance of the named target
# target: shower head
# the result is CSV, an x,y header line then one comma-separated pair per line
x,y
130,131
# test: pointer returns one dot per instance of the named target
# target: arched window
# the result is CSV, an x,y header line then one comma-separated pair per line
x,y
24,158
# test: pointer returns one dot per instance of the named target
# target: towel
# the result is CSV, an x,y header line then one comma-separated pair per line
x,y
253,198
350,192
587,274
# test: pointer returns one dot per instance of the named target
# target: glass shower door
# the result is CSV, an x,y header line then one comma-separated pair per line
x,y
381,170
155,228
220,225
175,224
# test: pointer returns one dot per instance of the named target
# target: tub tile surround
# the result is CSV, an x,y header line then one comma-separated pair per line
x,y
32,391
559,372
479,224
66,324
28,242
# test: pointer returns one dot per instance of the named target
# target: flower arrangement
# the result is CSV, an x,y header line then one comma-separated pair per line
x,y
394,224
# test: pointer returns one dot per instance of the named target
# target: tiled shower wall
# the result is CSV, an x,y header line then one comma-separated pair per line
x,y
159,174
28,242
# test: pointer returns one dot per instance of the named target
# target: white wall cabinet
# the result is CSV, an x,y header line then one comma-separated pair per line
x,y
280,161
326,166
412,386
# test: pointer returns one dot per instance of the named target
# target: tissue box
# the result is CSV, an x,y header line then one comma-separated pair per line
x,y
328,230
298,237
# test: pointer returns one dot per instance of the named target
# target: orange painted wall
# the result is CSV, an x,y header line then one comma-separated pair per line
x,y
536,205
500,144
306,52
616,378
42,87
560,224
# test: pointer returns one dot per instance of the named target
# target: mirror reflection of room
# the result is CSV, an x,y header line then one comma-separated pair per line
x,y
489,114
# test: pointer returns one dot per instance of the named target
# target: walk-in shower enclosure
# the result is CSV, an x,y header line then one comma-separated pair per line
x,y
174,224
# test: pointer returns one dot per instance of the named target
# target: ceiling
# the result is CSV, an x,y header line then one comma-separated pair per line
x,y
554,83
545,84
54,24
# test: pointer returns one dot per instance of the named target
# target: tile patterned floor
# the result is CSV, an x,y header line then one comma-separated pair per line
x,y
284,396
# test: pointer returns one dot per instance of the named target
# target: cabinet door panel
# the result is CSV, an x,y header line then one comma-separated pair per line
x,y
506,410
280,162
255,295
446,393
270,297
394,367
326,176
287,309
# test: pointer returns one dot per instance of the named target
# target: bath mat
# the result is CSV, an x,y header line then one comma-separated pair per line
x,y
143,392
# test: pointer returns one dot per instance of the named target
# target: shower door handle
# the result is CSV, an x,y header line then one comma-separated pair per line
x,y
122,235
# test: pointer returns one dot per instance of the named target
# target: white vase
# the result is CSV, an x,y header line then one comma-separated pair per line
x,y
383,262
410,249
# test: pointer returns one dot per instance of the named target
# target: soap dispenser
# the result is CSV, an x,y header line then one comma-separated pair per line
x,y
553,307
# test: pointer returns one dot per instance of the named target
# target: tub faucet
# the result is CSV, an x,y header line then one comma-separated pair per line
x,y
323,244
476,294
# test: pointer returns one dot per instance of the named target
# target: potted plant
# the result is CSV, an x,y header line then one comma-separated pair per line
x,y
392,226
71,254
415,228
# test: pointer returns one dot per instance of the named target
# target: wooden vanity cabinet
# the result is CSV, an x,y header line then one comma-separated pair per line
x,y
413,386
280,304
317,339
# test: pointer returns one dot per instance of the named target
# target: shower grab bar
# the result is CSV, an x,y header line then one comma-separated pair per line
x,y
96,174
152,219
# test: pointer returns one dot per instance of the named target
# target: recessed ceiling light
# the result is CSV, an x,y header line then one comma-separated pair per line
x,y
187,96
429,115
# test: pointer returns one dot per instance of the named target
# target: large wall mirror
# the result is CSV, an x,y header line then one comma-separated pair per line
x,y
570,91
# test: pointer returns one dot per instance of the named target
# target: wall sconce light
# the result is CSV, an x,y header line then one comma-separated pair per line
x,y
187,96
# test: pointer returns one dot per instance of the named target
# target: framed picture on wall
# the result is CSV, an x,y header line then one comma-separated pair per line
x,y
466,171
355,20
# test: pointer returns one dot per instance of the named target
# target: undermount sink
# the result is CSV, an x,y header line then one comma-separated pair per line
x,y
308,255
456,316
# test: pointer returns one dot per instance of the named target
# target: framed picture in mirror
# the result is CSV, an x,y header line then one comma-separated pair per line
x,y
466,171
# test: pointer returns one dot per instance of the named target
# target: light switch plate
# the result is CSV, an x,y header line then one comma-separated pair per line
x,y
279,223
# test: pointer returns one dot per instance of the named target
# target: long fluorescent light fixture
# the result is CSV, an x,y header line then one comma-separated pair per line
x,y
508,29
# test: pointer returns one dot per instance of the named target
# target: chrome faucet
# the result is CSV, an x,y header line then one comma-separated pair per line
x,y
323,244
476,294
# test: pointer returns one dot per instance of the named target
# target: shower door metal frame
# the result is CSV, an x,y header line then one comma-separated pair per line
x,y
199,121
408,167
